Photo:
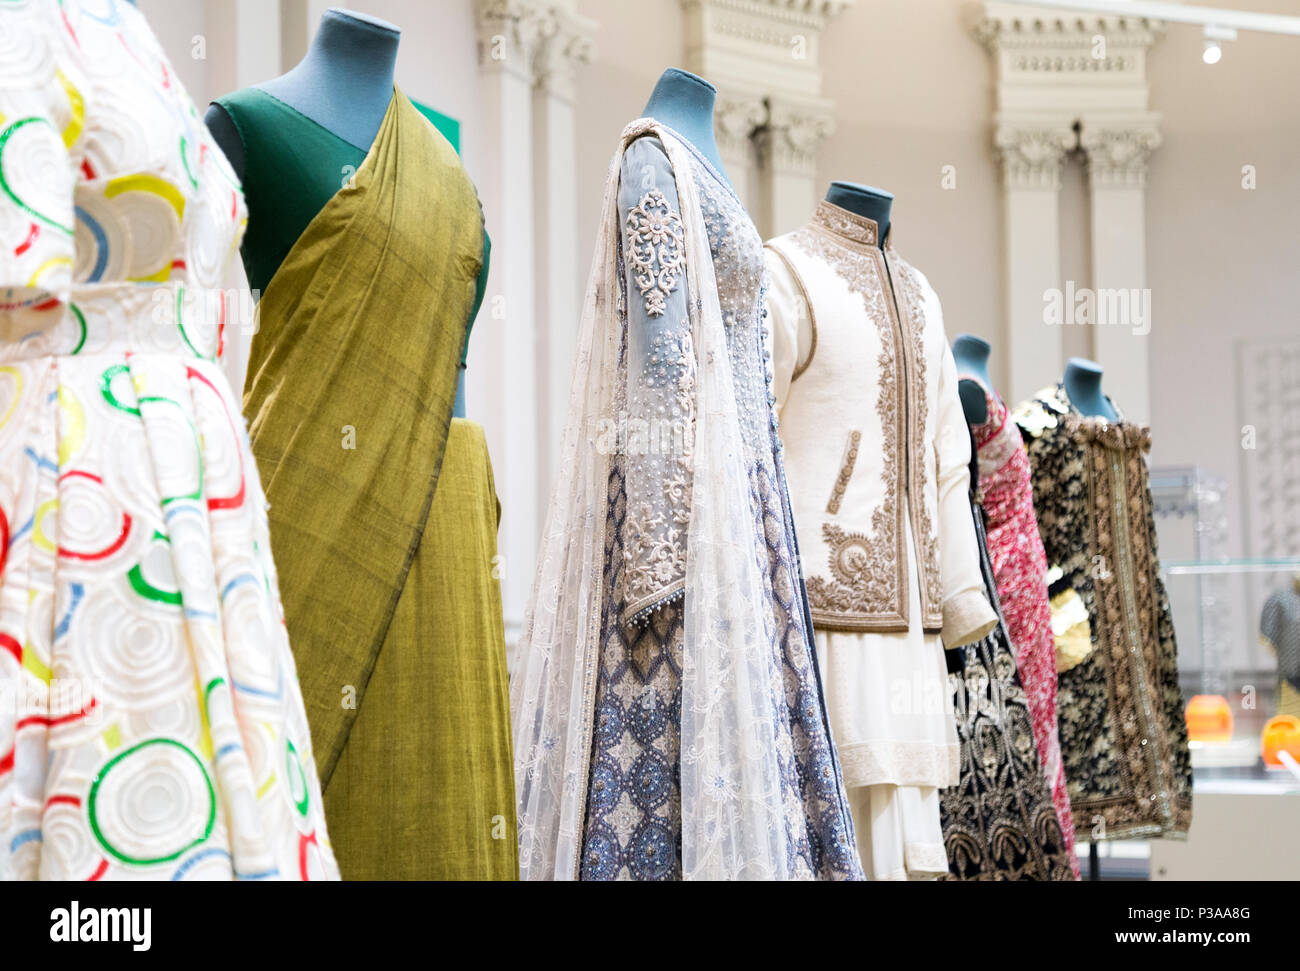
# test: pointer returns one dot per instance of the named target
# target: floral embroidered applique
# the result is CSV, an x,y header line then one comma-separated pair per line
x,y
657,248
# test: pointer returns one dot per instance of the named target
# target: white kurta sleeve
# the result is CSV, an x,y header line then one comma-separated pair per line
x,y
967,615
788,323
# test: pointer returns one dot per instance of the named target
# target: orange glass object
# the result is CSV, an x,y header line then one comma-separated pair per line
x,y
1282,732
1209,719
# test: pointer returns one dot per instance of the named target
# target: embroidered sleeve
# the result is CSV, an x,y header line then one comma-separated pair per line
x,y
660,392
791,331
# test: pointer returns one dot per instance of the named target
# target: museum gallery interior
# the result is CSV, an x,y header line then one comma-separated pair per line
x,y
657,440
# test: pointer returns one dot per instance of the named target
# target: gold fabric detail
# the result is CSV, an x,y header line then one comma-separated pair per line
x,y
849,225
923,528
867,586
1074,638
846,242
846,472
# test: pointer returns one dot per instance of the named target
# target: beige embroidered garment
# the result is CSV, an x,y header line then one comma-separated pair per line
x,y
877,456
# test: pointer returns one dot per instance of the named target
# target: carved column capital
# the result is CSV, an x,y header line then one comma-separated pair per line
x,y
510,33
567,43
1118,154
736,116
794,133
1031,154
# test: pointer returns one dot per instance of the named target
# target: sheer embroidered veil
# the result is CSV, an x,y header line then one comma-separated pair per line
x,y
733,824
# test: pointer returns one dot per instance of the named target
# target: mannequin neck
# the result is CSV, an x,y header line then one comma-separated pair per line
x,y
684,102
971,355
345,83
863,200
1083,385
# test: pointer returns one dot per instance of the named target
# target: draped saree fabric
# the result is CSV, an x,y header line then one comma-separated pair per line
x,y
352,377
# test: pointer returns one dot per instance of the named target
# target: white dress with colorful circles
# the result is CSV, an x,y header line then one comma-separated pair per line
x,y
151,725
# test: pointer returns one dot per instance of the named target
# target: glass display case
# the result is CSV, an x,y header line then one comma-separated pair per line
x,y
1246,814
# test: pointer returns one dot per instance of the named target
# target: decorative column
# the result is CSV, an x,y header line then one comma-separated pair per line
x,y
788,145
1117,175
566,44
1031,159
736,116
503,390
1067,81
763,57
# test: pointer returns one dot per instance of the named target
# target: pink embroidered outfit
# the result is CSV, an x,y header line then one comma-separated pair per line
x,y
1020,568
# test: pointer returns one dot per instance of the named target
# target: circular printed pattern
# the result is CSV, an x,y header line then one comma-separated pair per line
x,y
70,851
138,658
91,527
152,803
23,54
223,449
171,433
299,794
153,209
39,186
116,460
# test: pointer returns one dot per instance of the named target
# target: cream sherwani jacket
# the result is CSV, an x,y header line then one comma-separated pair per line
x,y
876,443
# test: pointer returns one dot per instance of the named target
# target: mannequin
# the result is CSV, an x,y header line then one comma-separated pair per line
x,y
684,102
971,354
352,53
874,204
343,85
1083,385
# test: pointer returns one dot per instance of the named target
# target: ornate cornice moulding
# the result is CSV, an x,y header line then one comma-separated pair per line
x,y
1001,25
801,13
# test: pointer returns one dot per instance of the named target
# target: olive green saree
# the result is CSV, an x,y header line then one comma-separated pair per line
x,y
386,566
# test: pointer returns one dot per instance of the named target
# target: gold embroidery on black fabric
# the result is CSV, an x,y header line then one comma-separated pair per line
x,y
1123,734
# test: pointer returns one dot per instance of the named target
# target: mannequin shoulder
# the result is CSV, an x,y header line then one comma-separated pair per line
x,y
646,166
226,134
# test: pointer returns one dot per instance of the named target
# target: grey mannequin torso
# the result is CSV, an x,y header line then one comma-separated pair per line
x,y
344,84
684,102
1083,386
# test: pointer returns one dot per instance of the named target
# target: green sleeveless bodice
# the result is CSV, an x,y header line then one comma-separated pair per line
x,y
292,167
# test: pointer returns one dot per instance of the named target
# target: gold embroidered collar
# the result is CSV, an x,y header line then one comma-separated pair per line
x,y
847,225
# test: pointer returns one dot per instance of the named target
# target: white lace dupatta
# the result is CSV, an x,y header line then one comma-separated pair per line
x,y
733,819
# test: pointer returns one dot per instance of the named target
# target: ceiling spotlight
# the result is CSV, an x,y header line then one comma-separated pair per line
x,y
1213,36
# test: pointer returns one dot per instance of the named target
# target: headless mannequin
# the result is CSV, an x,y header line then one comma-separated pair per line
x,y
1083,385
971,355
874,204
344,84
684,102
